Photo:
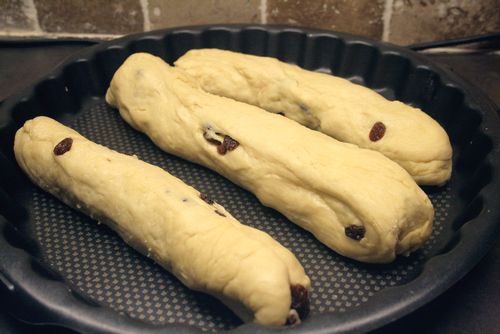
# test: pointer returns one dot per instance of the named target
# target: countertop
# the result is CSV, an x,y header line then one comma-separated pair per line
x,y
471,306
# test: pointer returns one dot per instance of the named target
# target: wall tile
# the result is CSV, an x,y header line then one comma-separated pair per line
x,y
361,17
90,16
13,17
412,21
170,13
427,20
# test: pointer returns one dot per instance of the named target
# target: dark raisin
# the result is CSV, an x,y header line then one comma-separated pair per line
x,y
377,131
355,232
206,198
300,300
229,143
219,213
221,149
292,319
63,146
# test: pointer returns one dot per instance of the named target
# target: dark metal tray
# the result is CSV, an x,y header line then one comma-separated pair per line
x,y
61,268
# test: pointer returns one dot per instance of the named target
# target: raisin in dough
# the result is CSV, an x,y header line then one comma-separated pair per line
x,y
355,201
161,216
332,105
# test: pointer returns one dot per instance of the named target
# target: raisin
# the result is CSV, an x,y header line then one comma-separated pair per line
x,y
355,232
219,213
300,300
229,143
221,149
377,131
292,319
63,146
206,198
281,113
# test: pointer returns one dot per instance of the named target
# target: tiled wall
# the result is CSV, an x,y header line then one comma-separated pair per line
x,y
397,21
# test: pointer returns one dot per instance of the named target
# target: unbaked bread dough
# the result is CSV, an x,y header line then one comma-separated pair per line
x,y
335,106
162,217
356,201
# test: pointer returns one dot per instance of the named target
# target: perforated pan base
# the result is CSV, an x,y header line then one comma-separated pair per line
x,y
100,265
346,295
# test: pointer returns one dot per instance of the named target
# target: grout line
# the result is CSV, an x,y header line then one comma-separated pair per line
x,y
456,50
30,11
263,11
386,19
145,14
56,35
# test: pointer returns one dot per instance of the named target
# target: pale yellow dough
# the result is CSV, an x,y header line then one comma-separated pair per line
x,y
317,182
166,219
332,105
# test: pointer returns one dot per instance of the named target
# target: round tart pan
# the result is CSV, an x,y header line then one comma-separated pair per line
x,y
60,267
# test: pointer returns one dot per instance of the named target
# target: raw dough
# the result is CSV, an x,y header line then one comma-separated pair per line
x,y
166,219
332,105
333,189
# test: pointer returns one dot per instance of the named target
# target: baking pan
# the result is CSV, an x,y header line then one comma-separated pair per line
x,y
59,267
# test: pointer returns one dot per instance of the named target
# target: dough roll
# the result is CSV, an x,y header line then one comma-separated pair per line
x,y
356,201
346,111
184,231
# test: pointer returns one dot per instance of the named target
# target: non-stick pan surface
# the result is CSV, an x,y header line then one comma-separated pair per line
x,y
61,267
